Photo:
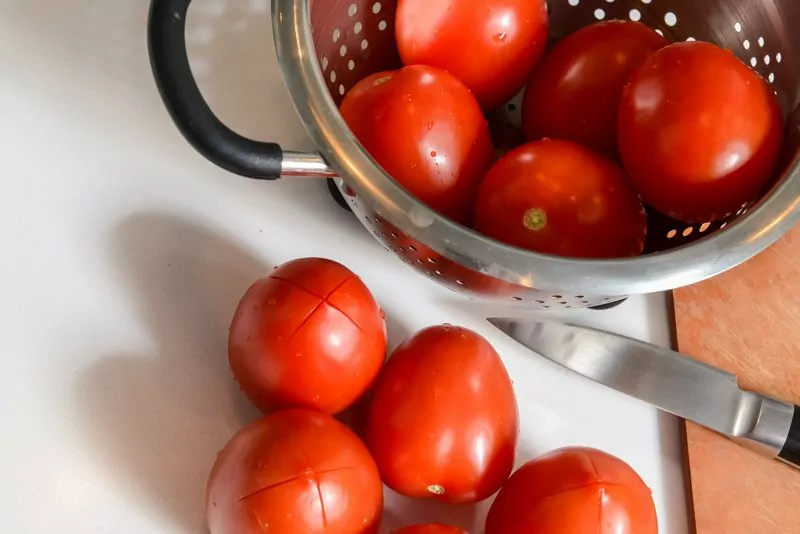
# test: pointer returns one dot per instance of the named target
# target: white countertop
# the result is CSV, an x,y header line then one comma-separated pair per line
x,y
125,254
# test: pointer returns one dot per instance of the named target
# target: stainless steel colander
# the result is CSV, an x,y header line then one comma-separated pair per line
x,y
326,46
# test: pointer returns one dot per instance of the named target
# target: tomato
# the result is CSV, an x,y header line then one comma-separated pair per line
x,y
426,130
491,46
575,92
443,420
574,491
295,472
557,197
308,335
431,528
699,132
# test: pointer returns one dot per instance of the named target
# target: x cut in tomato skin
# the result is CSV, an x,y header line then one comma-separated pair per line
x,y
294,472
308,335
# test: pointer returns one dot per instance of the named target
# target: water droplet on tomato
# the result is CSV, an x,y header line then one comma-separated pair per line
x,y
500,37
433,153
383,314
430,125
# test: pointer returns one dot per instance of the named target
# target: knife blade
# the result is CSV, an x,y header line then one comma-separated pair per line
x,y
668,380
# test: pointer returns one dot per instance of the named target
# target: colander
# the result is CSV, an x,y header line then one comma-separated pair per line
x,y
326,46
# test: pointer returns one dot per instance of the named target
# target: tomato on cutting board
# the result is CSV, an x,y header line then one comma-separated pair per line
x,y
427,131
443,421
574,93
308,335
491,45
700,133
574,490
294,472
431,528
557,197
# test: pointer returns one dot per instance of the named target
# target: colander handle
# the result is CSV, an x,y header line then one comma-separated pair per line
x,y
166,35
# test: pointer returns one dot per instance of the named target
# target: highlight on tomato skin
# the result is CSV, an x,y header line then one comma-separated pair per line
x,y
574,489
294,472
310,335
443,422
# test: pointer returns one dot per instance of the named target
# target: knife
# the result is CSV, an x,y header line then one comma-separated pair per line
x,y
668,380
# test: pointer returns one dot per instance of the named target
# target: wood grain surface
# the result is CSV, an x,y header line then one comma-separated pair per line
x,y
746,321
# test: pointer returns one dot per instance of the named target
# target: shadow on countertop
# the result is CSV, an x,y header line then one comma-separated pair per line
x,y
159,418
155,420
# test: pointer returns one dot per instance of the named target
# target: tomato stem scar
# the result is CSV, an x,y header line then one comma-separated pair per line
x,y
534,219
436,489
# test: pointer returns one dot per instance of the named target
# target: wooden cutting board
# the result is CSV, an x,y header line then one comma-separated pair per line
x,y
746,321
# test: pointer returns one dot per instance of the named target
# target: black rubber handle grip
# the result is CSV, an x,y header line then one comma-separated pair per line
x,y
791,449
166,36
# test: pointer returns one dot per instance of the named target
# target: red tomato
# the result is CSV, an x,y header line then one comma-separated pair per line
x,y
699,132
576,491
557,197
575,92
294,472
431,528
491,46
443,421
426,130
308,335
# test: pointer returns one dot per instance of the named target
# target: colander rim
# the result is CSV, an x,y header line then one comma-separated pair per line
x,y
661,271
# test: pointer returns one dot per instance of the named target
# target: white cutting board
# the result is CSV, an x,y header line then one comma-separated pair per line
x,y
125,254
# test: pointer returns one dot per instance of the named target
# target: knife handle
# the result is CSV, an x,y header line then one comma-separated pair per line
x,y
769,427
790,452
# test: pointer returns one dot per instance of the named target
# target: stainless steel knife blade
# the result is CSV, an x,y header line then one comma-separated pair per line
x,y
664,378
